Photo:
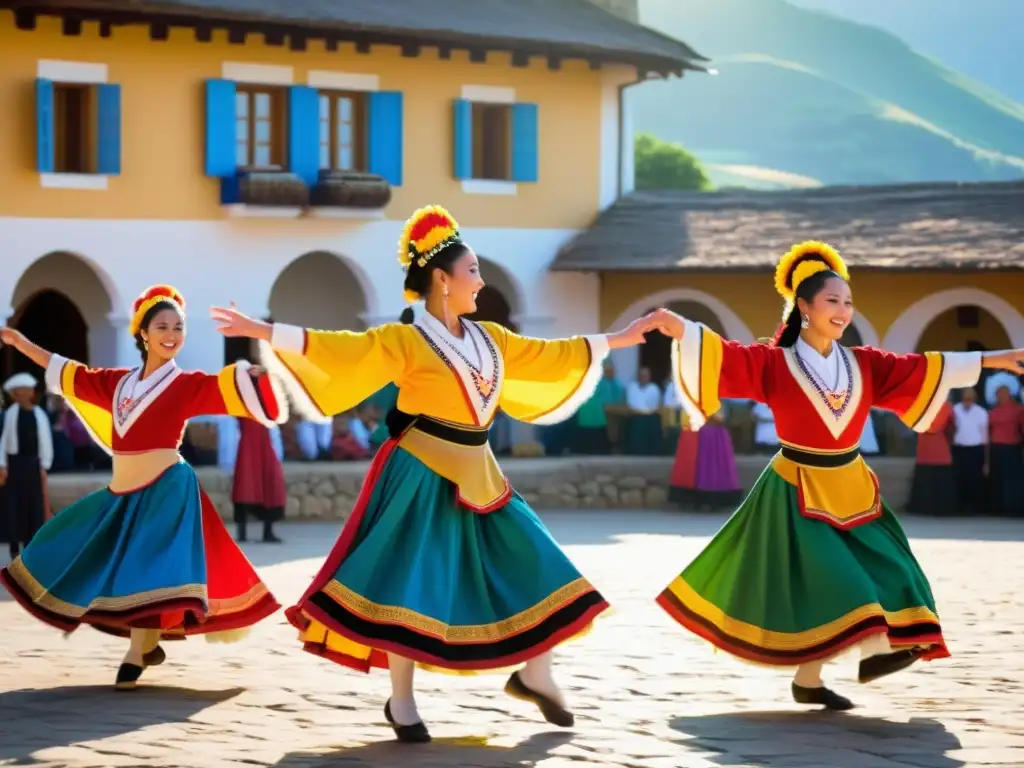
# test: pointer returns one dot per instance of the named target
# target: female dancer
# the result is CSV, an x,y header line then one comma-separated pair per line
x,y
814,562
147,557
441,563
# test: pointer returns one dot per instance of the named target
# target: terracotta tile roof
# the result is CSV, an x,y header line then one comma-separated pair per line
x,y
920,226
558,27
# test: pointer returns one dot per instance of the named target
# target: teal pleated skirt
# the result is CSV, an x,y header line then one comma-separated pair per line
x,y
155,558
415,573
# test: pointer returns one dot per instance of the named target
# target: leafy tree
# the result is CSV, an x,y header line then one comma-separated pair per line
x,y
661,165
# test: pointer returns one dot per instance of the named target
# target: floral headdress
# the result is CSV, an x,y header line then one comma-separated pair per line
x,y
149,298
802,261
427,232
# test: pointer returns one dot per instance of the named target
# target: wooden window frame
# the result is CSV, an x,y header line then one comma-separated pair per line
x,y
492,155
87,115
278,127
360,129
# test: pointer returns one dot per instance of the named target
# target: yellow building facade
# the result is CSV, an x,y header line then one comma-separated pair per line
x,y
274,163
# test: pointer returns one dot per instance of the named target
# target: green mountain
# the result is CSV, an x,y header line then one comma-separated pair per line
x,y
804,97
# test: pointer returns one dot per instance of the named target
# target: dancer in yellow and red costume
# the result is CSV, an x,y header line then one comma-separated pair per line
x,y
441,563
813,563
147,557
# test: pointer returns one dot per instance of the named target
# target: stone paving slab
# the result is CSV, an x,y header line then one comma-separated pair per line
x,y
646,693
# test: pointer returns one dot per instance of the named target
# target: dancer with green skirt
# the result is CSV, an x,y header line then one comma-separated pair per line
x,y
814,564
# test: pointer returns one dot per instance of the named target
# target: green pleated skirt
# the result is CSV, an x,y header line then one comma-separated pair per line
x,y
774,587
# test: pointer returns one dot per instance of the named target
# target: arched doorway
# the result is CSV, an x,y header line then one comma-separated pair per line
x,y
965,328
51,320
496,301
656,352
316,290
62,304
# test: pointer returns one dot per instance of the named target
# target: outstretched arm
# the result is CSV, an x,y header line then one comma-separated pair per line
x,y
33,352
324,372
914,386
547,380
706,367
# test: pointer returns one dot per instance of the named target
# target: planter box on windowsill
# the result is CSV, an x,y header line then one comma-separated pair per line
x,y
264,194
349,195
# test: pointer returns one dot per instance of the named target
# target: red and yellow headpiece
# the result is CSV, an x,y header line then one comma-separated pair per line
x,y
426,233
802,261
149,298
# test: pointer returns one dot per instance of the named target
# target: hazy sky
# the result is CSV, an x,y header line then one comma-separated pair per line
x,y
980,38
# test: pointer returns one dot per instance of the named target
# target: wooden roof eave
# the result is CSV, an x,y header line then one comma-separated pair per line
x,y
113,13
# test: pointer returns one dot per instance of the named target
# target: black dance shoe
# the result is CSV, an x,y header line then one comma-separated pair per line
x,y
154,658
127,676
409,734
826,697
875,667
552,711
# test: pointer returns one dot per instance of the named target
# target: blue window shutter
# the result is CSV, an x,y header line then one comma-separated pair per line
x,y
220,128
462,137
108,133
44,125
384,134
524,142
304,133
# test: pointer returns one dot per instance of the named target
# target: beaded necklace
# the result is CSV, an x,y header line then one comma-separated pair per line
x,y
485,388
836,402
127,405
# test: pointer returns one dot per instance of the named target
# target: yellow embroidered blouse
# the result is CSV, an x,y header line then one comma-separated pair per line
x,y
459,381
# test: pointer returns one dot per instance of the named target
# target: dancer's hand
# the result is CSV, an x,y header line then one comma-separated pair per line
x,y
3,476
235,324
256,371
1008,359
668,322
632,334
11,337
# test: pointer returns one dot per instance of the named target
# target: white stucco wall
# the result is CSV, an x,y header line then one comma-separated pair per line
x,y
349,276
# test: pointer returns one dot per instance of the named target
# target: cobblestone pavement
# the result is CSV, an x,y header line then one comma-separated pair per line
x,y
646,693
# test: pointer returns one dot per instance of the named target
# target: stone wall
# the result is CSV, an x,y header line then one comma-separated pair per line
x,y
327,491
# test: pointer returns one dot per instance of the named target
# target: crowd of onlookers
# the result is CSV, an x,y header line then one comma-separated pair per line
x,y
971,459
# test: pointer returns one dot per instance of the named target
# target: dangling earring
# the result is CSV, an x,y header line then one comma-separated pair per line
x,y
447,317
805,322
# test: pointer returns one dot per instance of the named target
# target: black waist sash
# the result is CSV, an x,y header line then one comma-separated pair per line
x,y
825,460
399,421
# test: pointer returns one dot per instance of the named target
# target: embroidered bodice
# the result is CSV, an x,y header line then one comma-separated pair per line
x,y
126,414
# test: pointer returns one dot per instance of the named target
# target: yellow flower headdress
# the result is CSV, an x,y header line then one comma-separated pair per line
x,y
802,261
149,298
427,232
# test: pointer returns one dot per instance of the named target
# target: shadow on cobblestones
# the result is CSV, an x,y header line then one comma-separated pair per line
x,y
440,753
776,738
91,713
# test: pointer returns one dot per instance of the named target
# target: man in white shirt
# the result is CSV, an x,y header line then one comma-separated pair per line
x,y
643,427
970,452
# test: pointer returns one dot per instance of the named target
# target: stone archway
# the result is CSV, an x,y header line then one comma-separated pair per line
x,y
963,328
995,321
731,326
656,353
318,289
65,304
498,302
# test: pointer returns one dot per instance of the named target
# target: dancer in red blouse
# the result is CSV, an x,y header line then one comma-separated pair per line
x,y
147,557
